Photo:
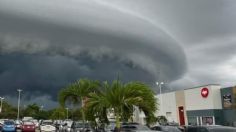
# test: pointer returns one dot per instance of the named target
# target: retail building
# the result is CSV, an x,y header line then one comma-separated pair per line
x,y
202,105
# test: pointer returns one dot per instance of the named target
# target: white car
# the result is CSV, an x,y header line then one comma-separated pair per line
x,y
18,124
36,122
47,126
67,125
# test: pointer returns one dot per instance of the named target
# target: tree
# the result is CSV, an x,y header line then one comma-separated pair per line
x,y
77,93
31,110
58,114
122,98
8,111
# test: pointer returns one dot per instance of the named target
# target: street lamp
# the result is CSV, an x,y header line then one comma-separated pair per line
x,y
159,84
18,113
41,108
67,112
1,103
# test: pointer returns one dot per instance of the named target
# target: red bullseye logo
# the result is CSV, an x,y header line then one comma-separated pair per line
x,y
204,92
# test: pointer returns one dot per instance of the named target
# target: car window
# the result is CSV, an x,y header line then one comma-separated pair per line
x,y
172,129
9,123
129,128
156,128
28,123
80,125
143,128
18,122
47,123
197,129
202,129
223,130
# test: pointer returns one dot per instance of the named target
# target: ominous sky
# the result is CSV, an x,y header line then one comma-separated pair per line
x,y
46,44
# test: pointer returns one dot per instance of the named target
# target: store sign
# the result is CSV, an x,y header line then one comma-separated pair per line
x,y
204,92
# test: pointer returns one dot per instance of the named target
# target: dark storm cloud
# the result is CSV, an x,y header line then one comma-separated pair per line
x,y
44,46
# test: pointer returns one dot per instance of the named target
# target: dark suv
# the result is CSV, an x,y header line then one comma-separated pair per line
x,y
209,129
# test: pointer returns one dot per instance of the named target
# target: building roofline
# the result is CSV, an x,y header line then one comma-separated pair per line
x,y
202,86
179,90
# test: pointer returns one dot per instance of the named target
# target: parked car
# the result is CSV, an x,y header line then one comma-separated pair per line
x,y
47,126
134,127
66,126
166,128
28,126
110,127
58,125
36,122
8,126
1,123
18,124
81,127
209,129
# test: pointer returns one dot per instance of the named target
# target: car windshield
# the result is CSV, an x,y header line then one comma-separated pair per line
x,y
135,127
18,121
81,125
171,129
128,128
28,123
9,123
34,121
47,123
143,127
223,129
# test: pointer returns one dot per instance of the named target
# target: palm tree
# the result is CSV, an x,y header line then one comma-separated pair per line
x,y
31,110
58,113
122,98
77,93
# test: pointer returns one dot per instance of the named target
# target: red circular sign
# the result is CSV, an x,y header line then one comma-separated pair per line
x,y
204,92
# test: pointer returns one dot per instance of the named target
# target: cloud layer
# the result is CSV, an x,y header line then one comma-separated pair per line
x,y
44,46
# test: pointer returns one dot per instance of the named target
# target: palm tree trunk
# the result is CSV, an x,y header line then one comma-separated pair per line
x,y
117,129
83,114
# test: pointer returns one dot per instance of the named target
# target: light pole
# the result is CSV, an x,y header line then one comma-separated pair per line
x,y
18,113
159,84
67,109
1,104
41,108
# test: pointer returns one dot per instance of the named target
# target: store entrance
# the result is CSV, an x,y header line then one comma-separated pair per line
x,y
207,120
201,120
181,115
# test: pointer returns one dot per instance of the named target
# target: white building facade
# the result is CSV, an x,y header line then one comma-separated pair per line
x,y
167,106
197,106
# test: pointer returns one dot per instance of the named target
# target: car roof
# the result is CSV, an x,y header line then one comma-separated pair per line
x,y
223,127
47,121
211,127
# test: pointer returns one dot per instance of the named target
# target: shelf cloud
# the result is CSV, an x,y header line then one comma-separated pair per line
x,y
45,45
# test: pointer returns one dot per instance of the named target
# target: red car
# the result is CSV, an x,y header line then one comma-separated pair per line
x,y
28,126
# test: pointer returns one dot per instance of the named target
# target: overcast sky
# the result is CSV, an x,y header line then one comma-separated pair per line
x,y
46,44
